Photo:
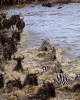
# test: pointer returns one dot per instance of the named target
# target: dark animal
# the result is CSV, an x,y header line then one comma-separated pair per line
x,y
5,54
47,89
12,44
1,81
14,83
1,26
2,67
31,79
6,24
45,92
20,24
19,65
3,38
16,35
47,4
2,16
75,87
8,51
13,20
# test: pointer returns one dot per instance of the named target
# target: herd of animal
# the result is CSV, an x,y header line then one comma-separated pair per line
x,y
9,42
10,22
13,2
9,45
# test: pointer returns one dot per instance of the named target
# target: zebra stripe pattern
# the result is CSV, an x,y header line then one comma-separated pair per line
x,y
46,68
55,69
62,80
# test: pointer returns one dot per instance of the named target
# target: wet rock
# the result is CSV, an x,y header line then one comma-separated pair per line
x,y
59,7
47,4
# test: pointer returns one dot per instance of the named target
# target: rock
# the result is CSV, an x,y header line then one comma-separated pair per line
x,y
59,7
47,4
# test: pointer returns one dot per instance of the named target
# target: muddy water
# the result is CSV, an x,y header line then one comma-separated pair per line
x,y
61,27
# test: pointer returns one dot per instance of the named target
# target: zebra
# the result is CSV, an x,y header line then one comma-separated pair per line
x,y
46,68
56,69
51,56
45,46
62,79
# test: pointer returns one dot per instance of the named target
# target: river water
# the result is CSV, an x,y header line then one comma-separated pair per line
x,y
60,26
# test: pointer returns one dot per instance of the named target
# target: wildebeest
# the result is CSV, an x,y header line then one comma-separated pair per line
x,y
20,24
9,49
45,92
5,54
9,52
13,19
14,83
18,65
31,79
47,89
1,26
12,44
75,87
2,66
3,38
6,24
16,35
2,16
1,81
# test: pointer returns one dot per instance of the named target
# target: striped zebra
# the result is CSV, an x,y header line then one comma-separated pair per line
x,y
45,46
61,79
56,69
46,68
